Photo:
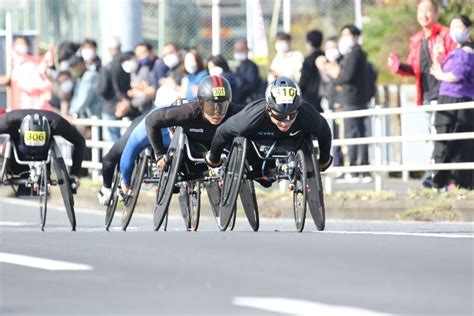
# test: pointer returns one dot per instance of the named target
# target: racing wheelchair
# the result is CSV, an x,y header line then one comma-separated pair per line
x,y
38,150
185,174
285,159
144,172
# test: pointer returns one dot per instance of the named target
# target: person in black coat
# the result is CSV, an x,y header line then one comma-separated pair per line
x,y
247,73
310,76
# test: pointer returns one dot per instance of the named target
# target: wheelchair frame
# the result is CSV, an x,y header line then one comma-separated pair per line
x,y
39,178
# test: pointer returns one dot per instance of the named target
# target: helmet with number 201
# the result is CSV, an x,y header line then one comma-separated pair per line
x,y
283,95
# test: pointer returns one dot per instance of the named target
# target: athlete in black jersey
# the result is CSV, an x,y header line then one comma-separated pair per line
x,y
10,124
199,119
280,115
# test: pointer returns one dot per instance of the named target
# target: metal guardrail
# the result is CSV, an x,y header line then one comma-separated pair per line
x,y
377,140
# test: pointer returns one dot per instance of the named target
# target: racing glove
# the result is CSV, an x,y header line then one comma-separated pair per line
x,y
210,163
324,166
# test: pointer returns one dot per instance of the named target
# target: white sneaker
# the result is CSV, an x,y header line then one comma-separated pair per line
x,y
104,195
366,179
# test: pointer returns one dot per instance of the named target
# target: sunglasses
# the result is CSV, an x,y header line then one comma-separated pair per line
x,y
283,117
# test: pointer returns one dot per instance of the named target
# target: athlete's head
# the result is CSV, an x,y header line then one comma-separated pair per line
x,y
283,97
35,132
214,95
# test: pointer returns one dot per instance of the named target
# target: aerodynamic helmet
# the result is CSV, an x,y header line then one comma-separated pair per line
x,y
214,95
284,97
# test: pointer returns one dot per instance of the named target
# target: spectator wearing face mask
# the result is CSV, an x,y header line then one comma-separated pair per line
x,y
63,87
86,102
351,89
141,93
89,54
287,62
456,76
167,67
310,76
328,65
218,66
195,71
250,83
115,82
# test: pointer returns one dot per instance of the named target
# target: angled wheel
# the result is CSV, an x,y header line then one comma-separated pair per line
x,y
64,185
232,179
249,202
214,196
194,199
184,205
43,193
137,179
315,186
299,191
233,219
166,184
113,200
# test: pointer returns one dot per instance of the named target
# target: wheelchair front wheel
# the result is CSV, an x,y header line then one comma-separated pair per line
x,y
300,191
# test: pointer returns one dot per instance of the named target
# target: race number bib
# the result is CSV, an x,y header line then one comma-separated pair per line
x,y
284,94
35,138
218,92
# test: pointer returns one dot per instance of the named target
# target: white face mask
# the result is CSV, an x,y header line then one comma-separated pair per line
x,y
190,66
332,54
88,54
345,44
171,60
64,65
240,56
129,66
282,47
21,49
216,71
66,86
460,36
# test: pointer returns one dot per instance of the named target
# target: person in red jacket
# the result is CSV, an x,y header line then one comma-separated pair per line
x,y
428,46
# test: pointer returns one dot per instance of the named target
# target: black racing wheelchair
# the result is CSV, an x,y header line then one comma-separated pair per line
x,y
38,150
186,174
295,160
144,171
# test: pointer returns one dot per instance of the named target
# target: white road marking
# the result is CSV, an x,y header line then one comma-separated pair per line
x,y
15,224
41,263
397,234
300,307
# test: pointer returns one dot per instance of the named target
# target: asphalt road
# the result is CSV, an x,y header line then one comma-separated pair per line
x,y
353,268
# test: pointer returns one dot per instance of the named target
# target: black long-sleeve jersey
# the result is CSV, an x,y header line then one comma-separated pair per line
x,y
254,123
10,124
190,117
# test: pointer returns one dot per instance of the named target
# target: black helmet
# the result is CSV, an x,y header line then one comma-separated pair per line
x,y
35,132
283,96
214,92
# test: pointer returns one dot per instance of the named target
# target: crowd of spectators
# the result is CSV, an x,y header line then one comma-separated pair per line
x,y
334,76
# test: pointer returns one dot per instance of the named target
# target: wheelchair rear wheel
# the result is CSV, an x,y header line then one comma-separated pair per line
x,y
300,191
65,188
113,201
249,202
316,198
166,184
43,193
137,179
232,179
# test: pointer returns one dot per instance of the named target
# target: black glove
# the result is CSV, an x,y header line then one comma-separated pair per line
x,y
210,163
324,166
